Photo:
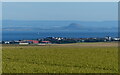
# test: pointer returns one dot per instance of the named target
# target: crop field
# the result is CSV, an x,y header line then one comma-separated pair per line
x,y
61,58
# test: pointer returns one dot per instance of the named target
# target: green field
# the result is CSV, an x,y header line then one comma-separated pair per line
x,y
64,58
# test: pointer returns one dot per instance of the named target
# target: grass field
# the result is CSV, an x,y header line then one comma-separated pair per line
x,y
61,58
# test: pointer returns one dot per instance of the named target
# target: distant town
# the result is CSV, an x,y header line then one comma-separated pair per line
x,y
60,40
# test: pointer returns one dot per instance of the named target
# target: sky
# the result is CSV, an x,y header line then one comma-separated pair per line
x,y
81,11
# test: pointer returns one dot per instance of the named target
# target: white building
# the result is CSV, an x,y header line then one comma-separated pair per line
x,y
23,43
7,42
116,39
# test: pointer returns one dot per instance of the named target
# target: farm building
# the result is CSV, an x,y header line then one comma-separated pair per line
x,y
23,43
7,42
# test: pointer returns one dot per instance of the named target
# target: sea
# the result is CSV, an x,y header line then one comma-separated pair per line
x,y
32,35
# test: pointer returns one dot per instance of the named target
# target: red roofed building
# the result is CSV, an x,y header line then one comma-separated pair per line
x,y
34,41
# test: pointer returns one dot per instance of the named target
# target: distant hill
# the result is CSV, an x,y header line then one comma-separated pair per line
x,y
74,26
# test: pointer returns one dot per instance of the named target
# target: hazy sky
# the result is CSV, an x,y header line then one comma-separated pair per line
x,y
83,11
